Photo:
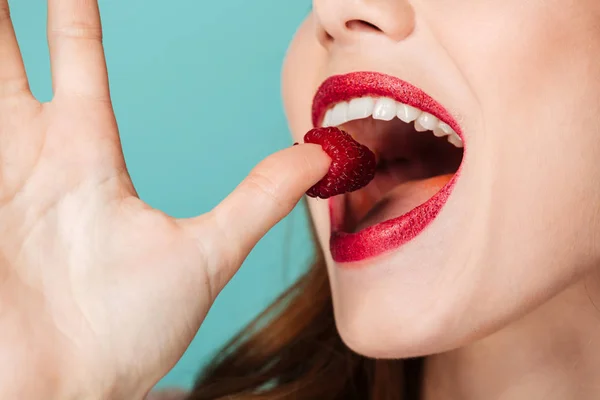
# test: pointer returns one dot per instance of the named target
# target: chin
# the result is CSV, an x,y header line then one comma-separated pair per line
x,y
376,324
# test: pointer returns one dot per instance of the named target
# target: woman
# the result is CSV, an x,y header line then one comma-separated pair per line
x,y
477,267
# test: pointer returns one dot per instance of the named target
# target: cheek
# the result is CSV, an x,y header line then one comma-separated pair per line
x,y
538,87
301,77
540,99
545,57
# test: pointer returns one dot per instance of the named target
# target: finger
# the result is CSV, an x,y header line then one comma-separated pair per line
x,y
268,194
13,78
76,51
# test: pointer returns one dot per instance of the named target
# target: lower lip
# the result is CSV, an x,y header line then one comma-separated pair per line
x,y
389,235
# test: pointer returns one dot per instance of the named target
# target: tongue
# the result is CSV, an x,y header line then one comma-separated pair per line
x,y
402,199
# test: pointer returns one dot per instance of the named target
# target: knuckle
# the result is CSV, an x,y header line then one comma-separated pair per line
x,y
97,97
13,87
271,181
78,32
262,185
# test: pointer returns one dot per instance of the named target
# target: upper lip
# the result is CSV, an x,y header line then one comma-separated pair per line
x,y
339,88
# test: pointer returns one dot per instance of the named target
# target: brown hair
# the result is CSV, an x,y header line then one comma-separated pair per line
x,y
293,351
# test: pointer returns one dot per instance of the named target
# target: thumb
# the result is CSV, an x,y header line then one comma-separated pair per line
x,y
270,192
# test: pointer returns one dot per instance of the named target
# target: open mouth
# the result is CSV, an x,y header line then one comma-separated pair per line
x,y
419,149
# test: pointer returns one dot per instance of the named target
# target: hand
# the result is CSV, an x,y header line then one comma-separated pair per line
x,y
100,294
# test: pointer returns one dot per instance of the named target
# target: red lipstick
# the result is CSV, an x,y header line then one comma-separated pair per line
x,y
389,235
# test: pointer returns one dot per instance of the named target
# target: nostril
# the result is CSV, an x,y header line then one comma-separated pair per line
x,y
362,26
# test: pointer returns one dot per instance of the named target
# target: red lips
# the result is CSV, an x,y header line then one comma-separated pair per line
x,y
389,235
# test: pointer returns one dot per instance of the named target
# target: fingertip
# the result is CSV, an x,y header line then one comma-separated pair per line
x,y
316,159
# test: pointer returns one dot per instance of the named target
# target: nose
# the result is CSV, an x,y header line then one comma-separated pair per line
x,y
345,21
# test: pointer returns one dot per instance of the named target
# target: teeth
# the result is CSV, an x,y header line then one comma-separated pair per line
x,y
426,122
386,109
455,140
407,113
339,114
327,120
442,129
361,108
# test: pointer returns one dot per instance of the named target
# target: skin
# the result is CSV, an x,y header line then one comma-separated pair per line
x,y
100,294
501,290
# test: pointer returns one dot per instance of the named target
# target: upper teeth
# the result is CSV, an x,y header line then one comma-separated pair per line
x,y
386,109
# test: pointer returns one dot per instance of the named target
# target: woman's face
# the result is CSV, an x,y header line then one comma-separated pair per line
x,y
425,260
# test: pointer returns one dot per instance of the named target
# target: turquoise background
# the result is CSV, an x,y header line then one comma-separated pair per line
x,y
196,90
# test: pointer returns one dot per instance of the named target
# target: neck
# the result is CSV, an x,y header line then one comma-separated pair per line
x,y
553,353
